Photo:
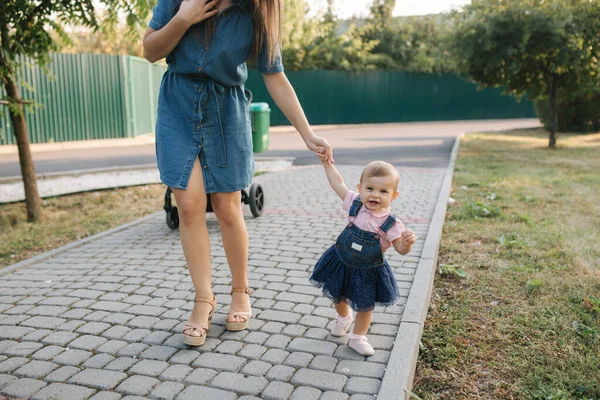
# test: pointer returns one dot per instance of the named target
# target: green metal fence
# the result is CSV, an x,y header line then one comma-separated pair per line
x,y
88,96
107,96
334,97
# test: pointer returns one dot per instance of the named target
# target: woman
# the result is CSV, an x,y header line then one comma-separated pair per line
x,y
203,134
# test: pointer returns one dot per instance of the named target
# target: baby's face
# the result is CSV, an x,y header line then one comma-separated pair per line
x,y
377,192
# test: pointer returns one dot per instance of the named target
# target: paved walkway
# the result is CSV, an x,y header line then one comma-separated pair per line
x,y
103,320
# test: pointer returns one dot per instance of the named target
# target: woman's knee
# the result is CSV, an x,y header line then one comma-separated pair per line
x,y
191,208
227,207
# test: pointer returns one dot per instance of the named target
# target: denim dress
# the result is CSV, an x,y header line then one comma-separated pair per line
x,y
354,270
202,108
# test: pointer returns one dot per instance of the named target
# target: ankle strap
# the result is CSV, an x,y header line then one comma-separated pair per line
x,y
212,301
241,290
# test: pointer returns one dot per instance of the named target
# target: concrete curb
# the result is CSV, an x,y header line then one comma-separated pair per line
x,y
399,375
44,256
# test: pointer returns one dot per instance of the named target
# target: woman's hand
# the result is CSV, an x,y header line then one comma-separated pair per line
x,y
321,147
193,11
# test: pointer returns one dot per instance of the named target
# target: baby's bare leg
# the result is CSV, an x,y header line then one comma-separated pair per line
x,y
342,309
362,322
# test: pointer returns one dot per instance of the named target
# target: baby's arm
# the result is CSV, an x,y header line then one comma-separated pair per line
x,y
404,243
335,179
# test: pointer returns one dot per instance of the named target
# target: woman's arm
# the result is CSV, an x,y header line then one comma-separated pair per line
x,y
159,43
285,97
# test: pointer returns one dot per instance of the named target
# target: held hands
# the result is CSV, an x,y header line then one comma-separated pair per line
x,y
407,238
193,11
322,148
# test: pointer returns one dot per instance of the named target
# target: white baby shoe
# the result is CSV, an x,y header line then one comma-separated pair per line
x,y
340,328
360,344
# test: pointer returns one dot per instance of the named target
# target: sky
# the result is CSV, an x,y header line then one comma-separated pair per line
x,y
348,8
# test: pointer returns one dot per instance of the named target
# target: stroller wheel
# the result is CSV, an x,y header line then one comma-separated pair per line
x,y
173,218
256,199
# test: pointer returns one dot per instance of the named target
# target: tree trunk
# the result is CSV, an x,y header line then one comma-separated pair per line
x,y
32,197
554,108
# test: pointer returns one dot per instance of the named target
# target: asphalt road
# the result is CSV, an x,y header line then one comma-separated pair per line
x,y
423,144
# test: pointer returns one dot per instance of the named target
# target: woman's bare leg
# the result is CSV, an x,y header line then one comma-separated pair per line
x,y
191,206
227,208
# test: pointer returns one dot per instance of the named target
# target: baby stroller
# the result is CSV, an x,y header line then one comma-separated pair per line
x,y
254,197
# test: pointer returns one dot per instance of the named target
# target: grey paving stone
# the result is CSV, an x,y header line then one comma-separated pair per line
x,y
358,384
72,357
37,335
106,396
12,364
157,337
116,332
306,393
252,385
137,385
360,368
294,330
256,338
229,347
252,351
312,346
136,335
256,368
98,361
319,379
346,353
132,350
184,357
149,367
167,391
62,374
59,338
220,362
22,388
277,391
63,391
93,328
118,318
200,376
334,396
160,353
202,392
324,363
280,316
121,364
87,342
278,342
316,333
298,360
23,349
5,379
111,347
275,356
362,397
71,325
98,378
280,373
176,373
35,369
40,322
5,344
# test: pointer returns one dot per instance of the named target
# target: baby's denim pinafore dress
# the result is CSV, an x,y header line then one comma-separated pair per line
x,y
354,270
202,109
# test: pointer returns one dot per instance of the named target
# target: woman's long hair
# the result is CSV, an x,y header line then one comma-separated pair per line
x,y
267,17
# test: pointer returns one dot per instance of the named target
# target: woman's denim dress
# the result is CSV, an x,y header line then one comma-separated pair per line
x,y
202,109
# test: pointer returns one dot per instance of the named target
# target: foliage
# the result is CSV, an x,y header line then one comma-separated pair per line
x,y
540,49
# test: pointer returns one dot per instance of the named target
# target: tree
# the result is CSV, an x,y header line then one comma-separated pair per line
x,y
534,48
24,34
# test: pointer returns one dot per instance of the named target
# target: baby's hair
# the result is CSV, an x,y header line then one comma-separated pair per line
x,y
380,168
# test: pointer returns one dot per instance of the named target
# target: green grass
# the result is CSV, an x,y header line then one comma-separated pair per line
x,y
525,322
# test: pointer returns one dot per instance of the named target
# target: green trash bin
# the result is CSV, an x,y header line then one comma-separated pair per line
x,y
260,115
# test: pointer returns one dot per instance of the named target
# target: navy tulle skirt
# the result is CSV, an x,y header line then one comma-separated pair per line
x,y
361,288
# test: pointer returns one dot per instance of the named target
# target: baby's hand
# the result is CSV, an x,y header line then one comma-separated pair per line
x,y
408,238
